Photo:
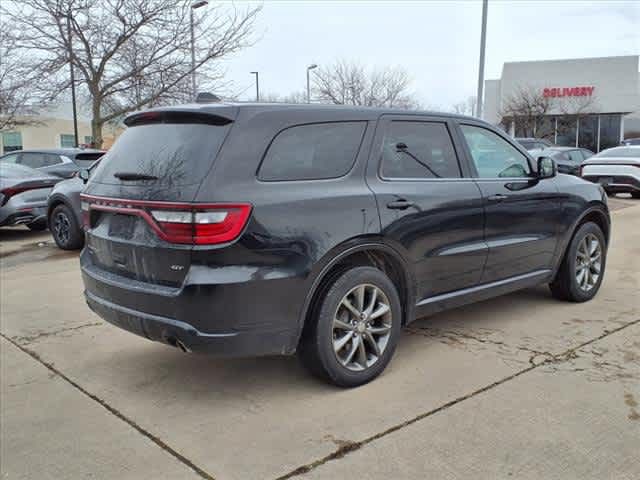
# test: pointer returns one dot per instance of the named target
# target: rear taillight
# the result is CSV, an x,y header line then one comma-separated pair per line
x,y
203,226
9,192
188,223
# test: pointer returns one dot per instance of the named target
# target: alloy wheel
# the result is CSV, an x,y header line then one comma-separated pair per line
x,y
62,227
588,262
361,327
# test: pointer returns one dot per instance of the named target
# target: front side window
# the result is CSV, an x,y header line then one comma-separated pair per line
x,y
414,149
311,152
492,155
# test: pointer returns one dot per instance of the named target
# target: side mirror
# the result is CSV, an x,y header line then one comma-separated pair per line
x,y
83,175
547,167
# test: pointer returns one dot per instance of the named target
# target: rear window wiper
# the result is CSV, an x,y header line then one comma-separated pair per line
x,y
134,176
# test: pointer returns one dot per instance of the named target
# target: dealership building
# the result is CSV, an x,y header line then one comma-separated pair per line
x,y
591,103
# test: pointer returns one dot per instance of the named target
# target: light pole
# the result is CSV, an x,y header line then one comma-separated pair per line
x,y
257,86
483,40
71,77
309,68
194,5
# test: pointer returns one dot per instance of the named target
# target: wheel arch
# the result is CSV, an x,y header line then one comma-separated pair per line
x,y
372,252
595,213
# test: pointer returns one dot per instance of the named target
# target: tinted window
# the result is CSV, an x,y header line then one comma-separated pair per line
x,y
587,153
34,159
575,156
10,158
305,152
418,150
177,154
493,156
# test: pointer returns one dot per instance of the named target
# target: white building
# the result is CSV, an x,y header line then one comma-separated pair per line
x,y
593,102
52,127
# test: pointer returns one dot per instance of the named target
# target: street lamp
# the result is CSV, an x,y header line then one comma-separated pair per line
x,y
309,68
71,77
194,5
257,86
483,41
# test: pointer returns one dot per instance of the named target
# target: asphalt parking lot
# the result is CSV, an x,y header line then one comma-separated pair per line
x,y
522,386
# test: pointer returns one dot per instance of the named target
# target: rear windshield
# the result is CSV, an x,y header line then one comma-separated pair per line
x,y
174,153
85,160
620,152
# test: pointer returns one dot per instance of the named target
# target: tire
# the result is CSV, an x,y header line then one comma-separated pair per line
x,y
635,194
349,367
65,229
38,226
571,285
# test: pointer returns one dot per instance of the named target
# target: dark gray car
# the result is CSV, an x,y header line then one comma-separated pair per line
x,y
23,196
61,162
64,212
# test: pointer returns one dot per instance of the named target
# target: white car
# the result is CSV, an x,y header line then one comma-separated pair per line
x,y
616,169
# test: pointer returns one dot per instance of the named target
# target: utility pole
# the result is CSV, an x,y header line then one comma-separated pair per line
x,y
73,81
483,39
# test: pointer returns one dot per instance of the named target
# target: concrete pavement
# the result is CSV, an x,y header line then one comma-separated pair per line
x,y
519,386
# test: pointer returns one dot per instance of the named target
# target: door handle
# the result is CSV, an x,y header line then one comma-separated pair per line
x,y
498,197
400,205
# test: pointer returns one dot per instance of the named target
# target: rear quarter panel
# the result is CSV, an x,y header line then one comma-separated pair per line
x,y
295,228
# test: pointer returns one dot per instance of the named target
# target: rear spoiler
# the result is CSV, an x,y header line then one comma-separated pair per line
x,y
177,116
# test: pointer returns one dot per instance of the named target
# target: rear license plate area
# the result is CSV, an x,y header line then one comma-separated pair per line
x,y
122,226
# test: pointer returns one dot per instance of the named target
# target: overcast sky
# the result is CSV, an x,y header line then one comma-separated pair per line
x,y
436,41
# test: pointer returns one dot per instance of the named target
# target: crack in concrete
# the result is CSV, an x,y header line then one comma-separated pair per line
x,y
32,338
178,456
455,335
351,446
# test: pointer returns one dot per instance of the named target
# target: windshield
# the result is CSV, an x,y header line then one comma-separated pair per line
x,y
619,152
166,154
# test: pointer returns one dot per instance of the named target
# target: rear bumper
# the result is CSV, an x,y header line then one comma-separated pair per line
x,y
23,216
250,318
616,183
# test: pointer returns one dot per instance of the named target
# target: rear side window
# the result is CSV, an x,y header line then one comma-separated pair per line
x,y
174,153
312,152
575,155
418,150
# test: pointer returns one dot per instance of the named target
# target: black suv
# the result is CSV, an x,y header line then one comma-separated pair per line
x,y
268,229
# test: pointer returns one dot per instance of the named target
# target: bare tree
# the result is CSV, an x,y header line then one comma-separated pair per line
x,y
350,83
127,54
466,107
527,108
293,97
18,92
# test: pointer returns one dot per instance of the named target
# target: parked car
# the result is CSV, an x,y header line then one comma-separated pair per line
x,y
568,159
617,169
64,212
630,141
534,143
247,229
61,162
23,196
